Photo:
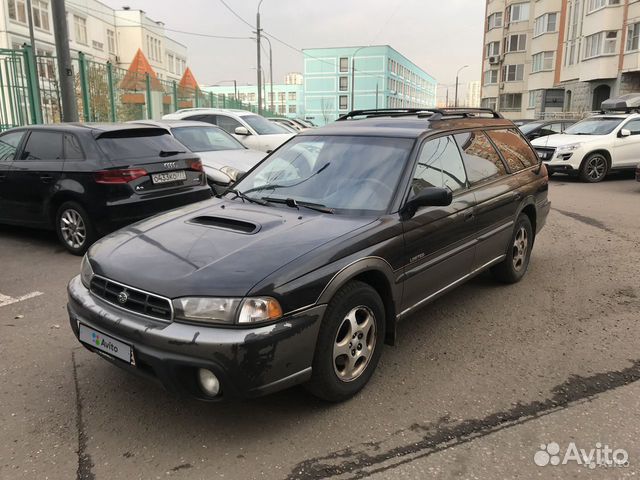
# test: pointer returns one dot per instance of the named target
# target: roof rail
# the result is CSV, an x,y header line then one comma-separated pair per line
x,y
432,113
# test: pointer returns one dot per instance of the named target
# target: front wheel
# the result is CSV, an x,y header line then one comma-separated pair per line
x,y
74,228
349,343
594,168
515,265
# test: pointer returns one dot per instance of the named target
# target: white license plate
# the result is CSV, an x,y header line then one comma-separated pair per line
x,y
106,344
169,177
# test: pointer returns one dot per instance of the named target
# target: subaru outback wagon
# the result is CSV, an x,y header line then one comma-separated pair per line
x,y
301,272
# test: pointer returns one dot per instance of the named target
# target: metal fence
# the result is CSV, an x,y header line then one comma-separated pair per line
x,y
30,92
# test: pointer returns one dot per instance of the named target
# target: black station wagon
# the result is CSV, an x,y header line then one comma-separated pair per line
x,y
85,180
301,272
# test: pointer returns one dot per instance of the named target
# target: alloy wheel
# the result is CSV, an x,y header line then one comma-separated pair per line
x,y
520,247
73,228
596,167
354,343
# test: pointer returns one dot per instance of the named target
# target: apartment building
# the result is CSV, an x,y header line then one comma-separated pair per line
x,y
473,97
555,57
378,76
101,33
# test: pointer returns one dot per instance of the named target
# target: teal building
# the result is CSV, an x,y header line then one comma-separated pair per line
x,y
337,80
288,100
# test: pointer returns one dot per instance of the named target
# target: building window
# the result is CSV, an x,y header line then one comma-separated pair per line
x,y
343,102
344,64
97,45
292,96
515,43
493,49
292,109
171,63
633,35
491,77
282,97
18,11
80,28
494,21
489,102
518,12
40,14
542,61
545,23
344,84
602,43
513,73
282,109
111,41
598,4
511,101
533,97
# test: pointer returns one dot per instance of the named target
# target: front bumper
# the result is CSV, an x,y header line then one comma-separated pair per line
x,y
249,362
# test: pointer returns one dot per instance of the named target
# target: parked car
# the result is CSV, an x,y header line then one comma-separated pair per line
x,y
223,157
595,146
84,180
535,130
288,128
254,131
289,122
300,274
638,173
522,121
305,122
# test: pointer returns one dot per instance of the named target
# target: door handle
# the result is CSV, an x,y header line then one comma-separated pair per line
x,y
46,178
469,216
517,196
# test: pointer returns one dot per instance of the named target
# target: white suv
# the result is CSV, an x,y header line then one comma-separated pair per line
x,y
254,131
593,147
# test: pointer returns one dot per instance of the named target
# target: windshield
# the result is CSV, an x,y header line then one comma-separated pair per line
x,y
206,139
262,126
594,126
529,127
347,173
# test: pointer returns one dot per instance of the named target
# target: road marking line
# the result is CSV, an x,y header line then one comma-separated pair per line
x,y
6,300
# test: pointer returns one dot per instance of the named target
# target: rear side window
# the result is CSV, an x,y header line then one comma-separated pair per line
x,y
43,146
228,124
72,149
9,144
439,165
138,145
514,149
481,160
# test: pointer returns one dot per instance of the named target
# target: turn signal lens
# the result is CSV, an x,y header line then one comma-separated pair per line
x,y
195,164
258,310
86,272
119,176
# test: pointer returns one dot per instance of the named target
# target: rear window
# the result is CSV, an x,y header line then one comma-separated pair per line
x,y
138,144
514,149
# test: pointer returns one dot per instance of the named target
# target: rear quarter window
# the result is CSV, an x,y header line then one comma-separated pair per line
x,y
514,149
481,160
137,145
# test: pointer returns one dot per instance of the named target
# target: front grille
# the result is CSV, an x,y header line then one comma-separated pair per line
x,y
131,299
545,153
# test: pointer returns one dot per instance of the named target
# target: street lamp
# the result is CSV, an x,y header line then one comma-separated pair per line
x,y
353,77
259,67
270,72
457,75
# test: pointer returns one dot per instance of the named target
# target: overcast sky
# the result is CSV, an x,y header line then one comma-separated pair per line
x,y
438,35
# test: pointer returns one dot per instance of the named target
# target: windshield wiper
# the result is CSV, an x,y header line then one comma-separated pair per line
x,y
293,203
170,153
274,186
244,197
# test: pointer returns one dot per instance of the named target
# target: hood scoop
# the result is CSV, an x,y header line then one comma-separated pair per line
x,y
225,223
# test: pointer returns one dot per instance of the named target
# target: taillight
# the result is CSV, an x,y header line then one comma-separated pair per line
x,y
124,175
544,172
195,164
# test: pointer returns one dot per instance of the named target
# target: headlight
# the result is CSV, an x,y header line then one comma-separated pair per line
x,y
232,173
227,311
86,272
569,148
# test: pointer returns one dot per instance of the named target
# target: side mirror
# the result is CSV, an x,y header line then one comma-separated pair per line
x,y
624,133
428,197
242,131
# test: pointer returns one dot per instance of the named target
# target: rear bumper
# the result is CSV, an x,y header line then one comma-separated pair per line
x,y
249,362
118,214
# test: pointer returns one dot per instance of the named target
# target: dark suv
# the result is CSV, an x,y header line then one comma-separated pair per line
x,y
301,272
88,179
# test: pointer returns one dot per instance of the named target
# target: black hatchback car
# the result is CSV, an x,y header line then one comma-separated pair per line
x,y
85,180
301,273
538,129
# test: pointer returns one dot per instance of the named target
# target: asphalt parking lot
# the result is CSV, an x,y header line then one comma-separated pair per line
x,y
478,382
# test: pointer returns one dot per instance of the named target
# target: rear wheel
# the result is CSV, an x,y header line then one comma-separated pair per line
x,y
74,228
349,343
515,265
594,168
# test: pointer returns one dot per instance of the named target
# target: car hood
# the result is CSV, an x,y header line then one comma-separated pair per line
x,y
214,248
564,139
241,159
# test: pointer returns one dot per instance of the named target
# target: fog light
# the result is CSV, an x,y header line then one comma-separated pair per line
x,y
208,382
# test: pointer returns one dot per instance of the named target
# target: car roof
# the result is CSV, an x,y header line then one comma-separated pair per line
x,y
174,123
86,126
195,111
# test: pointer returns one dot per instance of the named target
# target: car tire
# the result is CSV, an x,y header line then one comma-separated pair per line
x,y
594,168
349,343
74,228
514,266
